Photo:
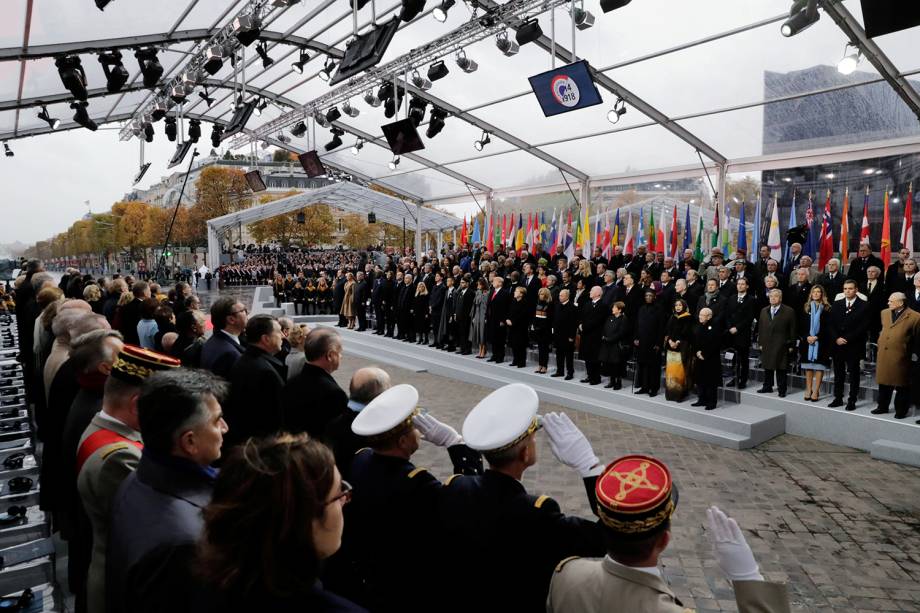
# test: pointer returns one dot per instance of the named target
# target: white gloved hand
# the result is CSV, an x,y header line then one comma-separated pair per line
x,y
732,551
436,432
570,446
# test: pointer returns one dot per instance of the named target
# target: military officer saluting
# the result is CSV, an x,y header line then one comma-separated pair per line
x,y
502,540
391,521
636,498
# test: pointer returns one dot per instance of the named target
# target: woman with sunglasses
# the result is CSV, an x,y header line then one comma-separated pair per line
x,y
276,514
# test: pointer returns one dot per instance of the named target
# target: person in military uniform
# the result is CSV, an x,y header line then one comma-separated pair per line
x,y
393,499
110,450
636,498
505,538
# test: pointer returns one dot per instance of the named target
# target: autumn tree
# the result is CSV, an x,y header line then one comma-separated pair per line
x,y
219,191
130,225
358,233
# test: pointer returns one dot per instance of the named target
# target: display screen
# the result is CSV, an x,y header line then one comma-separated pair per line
x,y
366,50
181,151
567,88
311,164
254,179
402,136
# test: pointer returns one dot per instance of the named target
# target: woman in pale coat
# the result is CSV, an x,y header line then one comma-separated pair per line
x,y
348,308
478,317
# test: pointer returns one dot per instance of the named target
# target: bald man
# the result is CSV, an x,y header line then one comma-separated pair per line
x,y
366,384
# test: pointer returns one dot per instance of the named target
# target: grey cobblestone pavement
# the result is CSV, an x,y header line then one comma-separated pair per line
x,y
842,529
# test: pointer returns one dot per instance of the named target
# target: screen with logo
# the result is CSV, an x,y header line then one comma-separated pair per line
x,y
565,89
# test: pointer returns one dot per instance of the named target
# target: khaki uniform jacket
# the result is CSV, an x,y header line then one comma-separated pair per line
x,y
98,482
582,585
894,342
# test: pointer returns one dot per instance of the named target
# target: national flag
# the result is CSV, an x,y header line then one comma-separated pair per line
x,y
792,224
886,235
477,238
674,235
629,245
758,219
519,235
553,234
698,251
615,238
726,223
544,233
496,232
504,236
687,230
640,237
567,241
864,229
845,228
811,244
490,235
826,242
742,231
607,247
597,233
773,240
907,223
652,247
463,231
586,245
661,238
715,227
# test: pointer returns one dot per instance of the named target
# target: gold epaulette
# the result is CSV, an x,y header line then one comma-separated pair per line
x,y
539,501
451,478
362,449
113,448
416,472
564,562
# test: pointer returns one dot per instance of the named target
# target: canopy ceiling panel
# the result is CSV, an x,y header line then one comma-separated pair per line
x,y
128,103
373,160
428,184
11,26
9,80
900,47
7,121
509,170
455,142
205,12
70,20
625,151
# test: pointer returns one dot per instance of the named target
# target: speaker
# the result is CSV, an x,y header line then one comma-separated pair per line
x,y
301,218
886,16
372,217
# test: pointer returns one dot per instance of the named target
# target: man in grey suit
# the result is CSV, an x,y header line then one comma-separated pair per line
x,y
777,333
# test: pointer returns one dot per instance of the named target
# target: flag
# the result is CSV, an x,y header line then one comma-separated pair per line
x,y
628,243
504,236
661,238
758,219
907,223
726,227
476,236
698,251
792,224
544,234
811,246
715,227
606,251
490,235
497,232
586,245
640,238
568,243
463,231
519,235
615,237
652,247
742,231
538,229
454,237
597,232
687,230
674,235
826,242
845,228
553,236
864,229
773,240
886,235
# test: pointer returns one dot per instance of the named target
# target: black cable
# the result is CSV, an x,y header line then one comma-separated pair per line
x,y
574,197
467,186
715,194
162,261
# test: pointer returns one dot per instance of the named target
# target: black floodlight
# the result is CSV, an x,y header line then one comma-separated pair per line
x,y
262,50
81,116
358,146
440,13
217,133
51,121
116,75
333,114
148,132
207,99
214,59
150,66
194,130
528,32
435,122
301,62
417,108
411,9
247,29
507,46
101,4
484,140
72,75
159,111
336,142
420,82
326,73
170,129
466,64
7,151
350,110
802,15
299,129
438,70
612,5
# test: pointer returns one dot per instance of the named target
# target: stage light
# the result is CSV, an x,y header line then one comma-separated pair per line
x,y
435,122
482,142
116,75
301,61
51,121
583,19
150,66
326,73
320,119
101,4
284,139
81,116
466,64
194,130
506,45
802,15
420,82
350,110
528,32
417,108
612,5
336,141
438,70
217,132
239,101
357,147
214,59
394,163
159,111
618,110
177,94
371,100
7,151
262,50
848,63
299,129
246,28
264,145
148,132
72,75
170,129
260,106
411,9
440,13
333,115
207,99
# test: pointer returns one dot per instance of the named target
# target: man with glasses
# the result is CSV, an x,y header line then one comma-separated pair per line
x,y
224,348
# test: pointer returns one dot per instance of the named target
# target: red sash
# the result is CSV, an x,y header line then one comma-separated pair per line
x,y
96,441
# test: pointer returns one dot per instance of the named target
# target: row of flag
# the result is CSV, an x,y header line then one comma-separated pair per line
x,y
667,236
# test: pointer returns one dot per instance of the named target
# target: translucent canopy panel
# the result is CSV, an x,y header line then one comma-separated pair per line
x,y
13,23
7,121
625,151
428,184
56,22
900,47
206,12
860,114
509,170
373,160
9,80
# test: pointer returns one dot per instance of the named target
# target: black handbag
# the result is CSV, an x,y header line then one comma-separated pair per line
x,y
19,485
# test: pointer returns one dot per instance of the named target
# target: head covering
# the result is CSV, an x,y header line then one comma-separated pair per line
x,y
635,495
502,419
134,364
387,415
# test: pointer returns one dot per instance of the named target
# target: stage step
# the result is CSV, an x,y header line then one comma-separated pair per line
x,y
895,451
733,426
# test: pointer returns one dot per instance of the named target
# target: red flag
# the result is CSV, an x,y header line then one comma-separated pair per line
x,y
864,230
907,225
463,231
674,235
490,236
845,228
826,249
886,235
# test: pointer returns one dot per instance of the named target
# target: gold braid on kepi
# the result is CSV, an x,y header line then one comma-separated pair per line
x,y
134,364
533,427
397,430
635,494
